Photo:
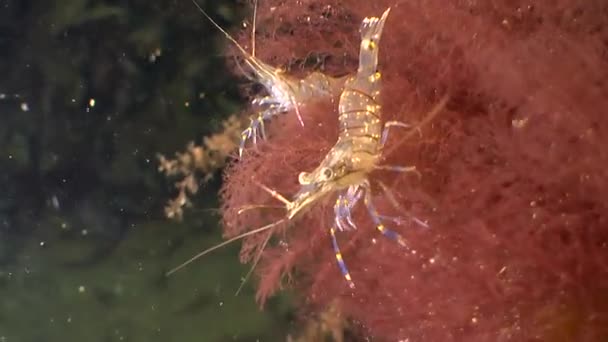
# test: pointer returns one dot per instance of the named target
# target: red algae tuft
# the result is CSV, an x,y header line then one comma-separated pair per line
x,y
514,172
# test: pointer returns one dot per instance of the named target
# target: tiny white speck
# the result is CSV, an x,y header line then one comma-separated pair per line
x,y
81,289
92,103
55,202
25,107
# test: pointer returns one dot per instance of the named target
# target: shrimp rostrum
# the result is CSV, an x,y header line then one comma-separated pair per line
x,y
285,92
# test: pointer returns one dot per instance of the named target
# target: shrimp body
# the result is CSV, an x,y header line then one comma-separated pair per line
x,y
358,150
286,94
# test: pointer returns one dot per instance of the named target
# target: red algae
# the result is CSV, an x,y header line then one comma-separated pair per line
x,y
514,171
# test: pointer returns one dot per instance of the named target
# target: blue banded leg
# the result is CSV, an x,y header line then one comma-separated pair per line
x,y
341,264
389,233
343,208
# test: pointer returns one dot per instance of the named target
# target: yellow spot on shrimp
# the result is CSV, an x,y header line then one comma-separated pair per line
x,y
338,256
375,77
368,44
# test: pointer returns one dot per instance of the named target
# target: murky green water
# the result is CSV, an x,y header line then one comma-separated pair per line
x,y
91,91
62,286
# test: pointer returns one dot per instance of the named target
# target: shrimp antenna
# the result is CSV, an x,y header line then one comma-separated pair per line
x,y
255,263
255,14
236,238
251,59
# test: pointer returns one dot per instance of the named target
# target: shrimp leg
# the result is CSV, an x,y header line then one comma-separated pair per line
x,y
341,264
384,138
389,233
343,208
387,127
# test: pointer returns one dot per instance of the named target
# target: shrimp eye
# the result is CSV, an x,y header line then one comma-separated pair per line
x,y
327,173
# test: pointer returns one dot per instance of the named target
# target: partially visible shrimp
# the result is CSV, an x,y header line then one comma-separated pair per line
x,y
285,93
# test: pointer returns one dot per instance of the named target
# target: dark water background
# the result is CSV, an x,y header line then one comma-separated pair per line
x,y
90,92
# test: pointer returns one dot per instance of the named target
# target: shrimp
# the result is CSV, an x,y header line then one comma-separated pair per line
x,y
357,152
285,93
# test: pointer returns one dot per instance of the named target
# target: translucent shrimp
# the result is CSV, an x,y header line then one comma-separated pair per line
x,y
359,147
285,93
357,153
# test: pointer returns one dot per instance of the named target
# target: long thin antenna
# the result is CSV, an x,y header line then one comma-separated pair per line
x,y
221,29
255,263
255,14
208,250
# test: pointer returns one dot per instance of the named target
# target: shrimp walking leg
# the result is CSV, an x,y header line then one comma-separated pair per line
x,y
389,233
393,201
387,127
397,168
384,138
256,127
343,208
341,264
